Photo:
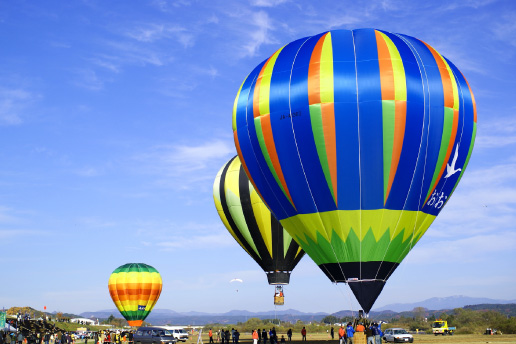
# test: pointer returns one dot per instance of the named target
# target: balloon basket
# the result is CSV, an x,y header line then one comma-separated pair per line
x,y
279,296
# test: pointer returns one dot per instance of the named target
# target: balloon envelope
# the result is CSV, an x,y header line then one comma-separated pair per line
x,y
135,289
252,225
355,140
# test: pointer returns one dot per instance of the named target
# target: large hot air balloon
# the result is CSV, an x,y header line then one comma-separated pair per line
x,y
253,226
355,140
135,289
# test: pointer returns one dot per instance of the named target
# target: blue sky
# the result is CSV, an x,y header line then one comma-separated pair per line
x,y
115,117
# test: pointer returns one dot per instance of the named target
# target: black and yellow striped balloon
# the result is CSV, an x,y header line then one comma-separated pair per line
x,y
252,225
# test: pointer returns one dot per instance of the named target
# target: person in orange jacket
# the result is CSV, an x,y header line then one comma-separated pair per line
x,y
342,335
255,337
360,328
210,334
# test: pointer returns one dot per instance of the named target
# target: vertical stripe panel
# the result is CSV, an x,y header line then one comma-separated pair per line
x,y
370,115
326,78
346,120
281,120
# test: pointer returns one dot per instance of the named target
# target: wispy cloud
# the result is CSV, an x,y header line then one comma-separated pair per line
x,y
181,166
12,104
88,172
453,5
152,32
469,249
170,5
497,133
261,34
110,63
95,222
133,53
484,204
17,233
505,28
90,79
198,241
268,3
209,70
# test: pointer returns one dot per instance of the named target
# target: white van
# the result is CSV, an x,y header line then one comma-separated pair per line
x,y
178,332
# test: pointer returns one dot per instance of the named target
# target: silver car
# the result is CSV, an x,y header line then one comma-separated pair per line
x,y
397,335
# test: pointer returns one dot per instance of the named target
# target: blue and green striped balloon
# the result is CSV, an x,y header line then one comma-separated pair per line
x,y
355,140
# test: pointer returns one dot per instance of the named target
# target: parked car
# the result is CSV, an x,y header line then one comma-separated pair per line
x,y
397,335
178,332
153,335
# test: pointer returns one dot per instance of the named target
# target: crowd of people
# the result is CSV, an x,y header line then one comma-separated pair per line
x,y
260,336
346,333
373,333
29,331
63,337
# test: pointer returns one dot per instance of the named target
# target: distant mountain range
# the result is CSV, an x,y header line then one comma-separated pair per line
x,y
167,316
437,303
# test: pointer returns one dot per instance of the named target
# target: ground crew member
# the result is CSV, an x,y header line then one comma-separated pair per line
x,y
342,335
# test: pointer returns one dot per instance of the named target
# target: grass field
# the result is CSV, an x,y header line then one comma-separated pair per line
x,y
418,338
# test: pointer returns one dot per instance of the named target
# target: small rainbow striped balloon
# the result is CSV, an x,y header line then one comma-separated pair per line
x,y
135,289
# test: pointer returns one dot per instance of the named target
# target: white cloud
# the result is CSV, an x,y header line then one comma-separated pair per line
x,y
170,5
6,215
260,35
183,166
110,63
16,233
483,204
150,33
505,28
469,249
174,160
210,71
267,3
88,172
197,241
497,133
89,79
131,53
94,222
12,104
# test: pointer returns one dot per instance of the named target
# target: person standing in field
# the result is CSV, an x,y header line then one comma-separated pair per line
x,y
342,335
228,335
264,336
350,331
303,334
255,337
376,333
210,334
369,335
289,334
332,333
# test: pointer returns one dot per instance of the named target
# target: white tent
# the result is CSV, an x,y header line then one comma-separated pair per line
x,y
8,328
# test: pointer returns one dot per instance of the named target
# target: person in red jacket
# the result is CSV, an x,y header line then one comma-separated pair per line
x,y
255,337
303,333
210,334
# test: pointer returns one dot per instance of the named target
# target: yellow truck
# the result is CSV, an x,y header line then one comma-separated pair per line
x,y
441,327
